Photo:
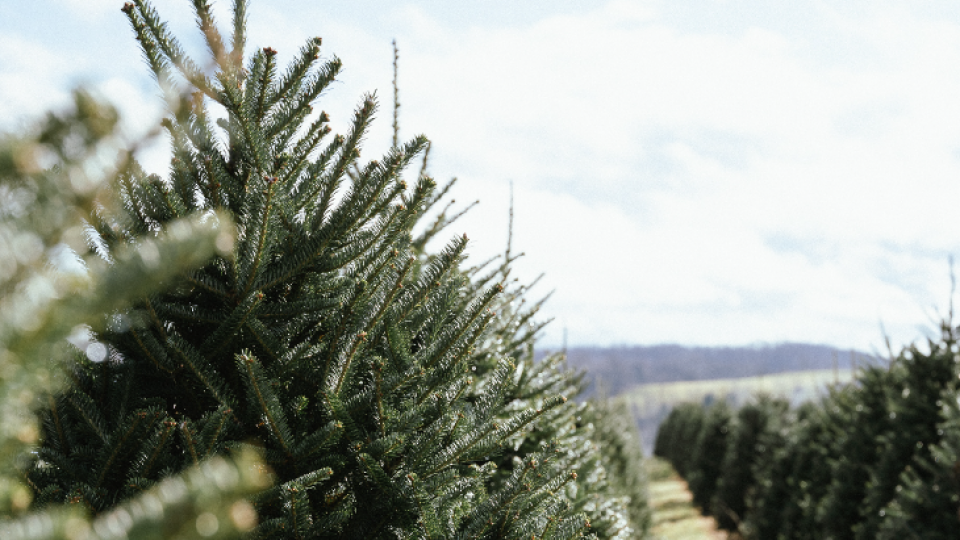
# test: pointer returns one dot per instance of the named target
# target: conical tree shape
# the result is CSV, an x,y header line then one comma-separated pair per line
x,y
708,454
865,413
919,380
677,436
771,494
367,373
666,431
737,477
927,505
790,485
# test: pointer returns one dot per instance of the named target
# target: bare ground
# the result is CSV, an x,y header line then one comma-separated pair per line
x,y
674,516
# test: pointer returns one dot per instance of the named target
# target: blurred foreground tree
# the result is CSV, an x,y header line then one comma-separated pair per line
x,y
52,181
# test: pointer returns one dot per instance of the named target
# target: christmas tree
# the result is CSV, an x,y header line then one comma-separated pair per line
x,y
927,503
677,436
919,379
770,494
618,440
792,483
744,450
865,412
391,392
708,454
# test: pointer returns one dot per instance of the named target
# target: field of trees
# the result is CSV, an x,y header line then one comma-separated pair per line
x,y
651,403
262,343
876,458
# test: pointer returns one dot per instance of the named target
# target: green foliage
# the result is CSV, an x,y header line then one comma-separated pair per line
x,y
53,180
744,450
203,502
709,452
390,392
864,414
677,436
875,459
618,439
771,494
807,473
918,381
927,501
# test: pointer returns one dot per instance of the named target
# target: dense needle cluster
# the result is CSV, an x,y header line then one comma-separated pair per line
x,y
879,458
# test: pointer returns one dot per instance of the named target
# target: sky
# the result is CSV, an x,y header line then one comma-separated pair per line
x,y
702,172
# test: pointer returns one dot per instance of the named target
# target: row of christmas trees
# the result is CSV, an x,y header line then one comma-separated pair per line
x,y
273,349
878,458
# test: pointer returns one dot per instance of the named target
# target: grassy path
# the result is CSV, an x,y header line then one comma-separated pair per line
x,y
674,517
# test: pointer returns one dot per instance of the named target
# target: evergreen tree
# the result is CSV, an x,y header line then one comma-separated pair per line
x,y
389,391
619,445
927,501
864,416
771,494
790,485
709,453
691,424
579,430
601,439
666,431
677,436
874,459
871,460
753,420
918,382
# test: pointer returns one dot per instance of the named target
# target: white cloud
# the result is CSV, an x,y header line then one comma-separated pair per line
x,y
750,181
29,80
821,152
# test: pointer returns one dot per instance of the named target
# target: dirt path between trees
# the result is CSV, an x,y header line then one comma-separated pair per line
x,y
674,516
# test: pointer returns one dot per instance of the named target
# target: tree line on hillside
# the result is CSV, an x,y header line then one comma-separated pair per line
x,y
618,369
875,459
273,349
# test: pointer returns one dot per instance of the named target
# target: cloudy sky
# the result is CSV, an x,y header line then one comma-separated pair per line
x,y
689,171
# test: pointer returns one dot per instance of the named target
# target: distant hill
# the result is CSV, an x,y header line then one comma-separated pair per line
x,y
655,378
620,369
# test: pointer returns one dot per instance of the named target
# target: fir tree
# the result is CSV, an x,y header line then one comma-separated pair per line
x,y
792,483
918,382
708,454
874,459
574,429
871,460
677,436
753,420
619,444
865,415
927,502
666,431
600,439
389,391
770,493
